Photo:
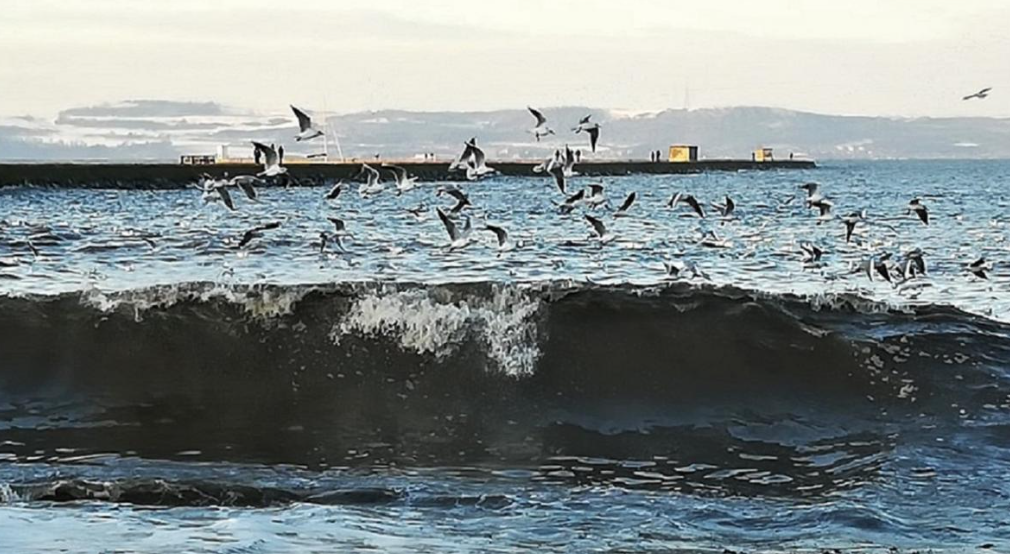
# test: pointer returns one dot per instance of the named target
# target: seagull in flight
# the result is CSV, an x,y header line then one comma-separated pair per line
x,y
981,95
626,205
726,209
403,182
572,201
336,190
916,205
599,229
271,160
590,128
462,199
502,237
372,184
541,129
850,222
458,238
214,190
596,196
978,268
687,199
306,131
257,232
913,264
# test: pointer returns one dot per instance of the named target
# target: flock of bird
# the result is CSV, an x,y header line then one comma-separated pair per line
x,y
562,167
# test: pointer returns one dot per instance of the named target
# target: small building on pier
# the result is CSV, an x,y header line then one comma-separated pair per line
x,y
683,153
763,155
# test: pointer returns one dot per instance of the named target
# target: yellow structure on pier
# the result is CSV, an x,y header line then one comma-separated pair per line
x,y
763,155
683,153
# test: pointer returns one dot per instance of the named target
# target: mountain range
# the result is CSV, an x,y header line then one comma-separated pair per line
x,y
159,130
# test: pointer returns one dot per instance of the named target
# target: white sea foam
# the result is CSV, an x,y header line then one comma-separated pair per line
x,y
437,324
7,494
257,302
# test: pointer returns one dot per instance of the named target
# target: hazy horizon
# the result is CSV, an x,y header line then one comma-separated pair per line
x,y
899,59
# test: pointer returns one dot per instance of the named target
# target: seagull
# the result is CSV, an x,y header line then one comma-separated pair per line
x,y
465,156
502,235
602,234
811,252
687,199
247,183
372,184
592,129
813,192
572,201
850,222
623,210
726,210
824,206
569,162
271,160
916,205
339,227
403,182
336,190
981,95
877,264
257,232
473,161
559,177
305,129
711,239
541,130
596,196
674,270
978,268
913,264
462,200
549,163
458,238
214,190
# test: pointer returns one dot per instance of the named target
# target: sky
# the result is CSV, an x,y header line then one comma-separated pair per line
x,y
858,57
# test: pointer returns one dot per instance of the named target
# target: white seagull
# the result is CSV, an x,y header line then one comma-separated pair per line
x,y
458,238
591,128
404,183
541,130
306,131
271,160
372,184
600,230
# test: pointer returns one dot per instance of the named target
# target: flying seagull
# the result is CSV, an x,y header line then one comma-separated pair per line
x,y
626,205
541,129
271,160
978,268
687,199
214,190
916,205
257,232
336,190
726,209
458,238
247,183
306,131
372,184
404,183
596,196
572,201
559,177
981,95
462,199
591,128
501,235
850,222
600,230
913,264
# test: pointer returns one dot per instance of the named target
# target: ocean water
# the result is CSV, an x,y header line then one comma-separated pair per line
x,y
162,389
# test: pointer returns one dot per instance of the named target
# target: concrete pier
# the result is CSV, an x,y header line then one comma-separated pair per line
x,y
170,176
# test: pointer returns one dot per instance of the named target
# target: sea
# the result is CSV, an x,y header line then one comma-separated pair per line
x,y
163,389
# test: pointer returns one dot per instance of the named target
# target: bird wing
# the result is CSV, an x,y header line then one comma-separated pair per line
x,y
730,205
575,197
693,202
674,200
225,197
337,223
248,185
246,237
304,121
450,226
595,189
536,113
269,226
478,156
849,227
585,120
628,202
335,191
594,135
399,172
270,157
499,232
559,177
923,214
598,225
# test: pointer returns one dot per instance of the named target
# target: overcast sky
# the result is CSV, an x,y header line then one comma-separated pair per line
x,y
873,57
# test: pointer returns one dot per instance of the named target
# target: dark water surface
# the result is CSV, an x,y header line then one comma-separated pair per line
x,y
163,390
